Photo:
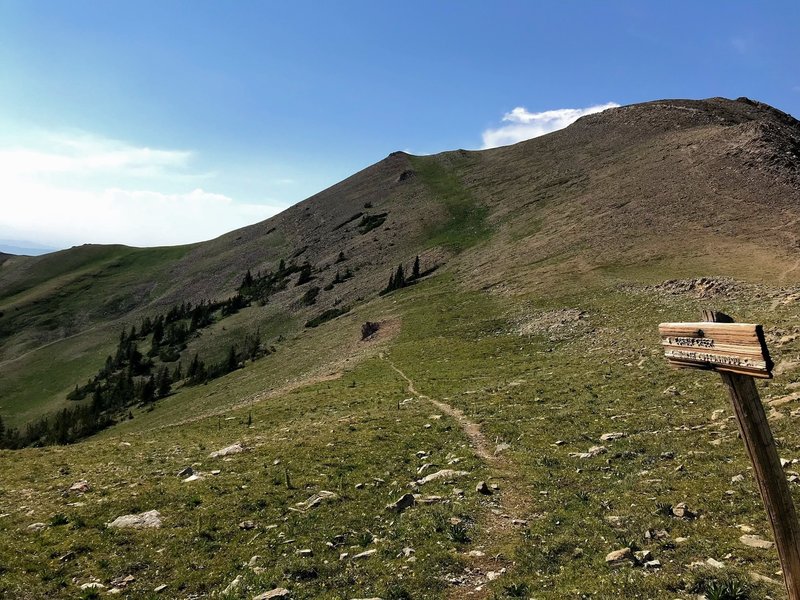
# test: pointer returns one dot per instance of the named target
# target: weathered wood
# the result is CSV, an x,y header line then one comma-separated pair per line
x,y
732,347
767,468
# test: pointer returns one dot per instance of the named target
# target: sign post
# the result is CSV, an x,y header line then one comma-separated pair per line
x,y
737,351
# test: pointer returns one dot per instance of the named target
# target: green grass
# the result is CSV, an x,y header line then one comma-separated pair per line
x,y
561,383
466,217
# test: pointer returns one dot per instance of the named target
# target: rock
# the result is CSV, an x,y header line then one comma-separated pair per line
x,y
443,474
365,554
216,472
407,551
306,552
344,555
591,453
610,437
643,555
232,449
656,534
420,499
146,520
193,477
186,472
717,414
671,391
160,588
737,478
247,525
80,487
233,586
276,593
317,499
458,492
755,541
652,564
785,462
715,563
759,578
403,502
36,526
482,488
682,511
681,540
619,557
93,585
476,553
492,575
121,582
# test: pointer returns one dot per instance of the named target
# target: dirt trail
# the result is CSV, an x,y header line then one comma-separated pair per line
x,y
509,507
472,430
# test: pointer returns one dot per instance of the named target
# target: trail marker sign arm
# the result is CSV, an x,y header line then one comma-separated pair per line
x,y
730,347
738,352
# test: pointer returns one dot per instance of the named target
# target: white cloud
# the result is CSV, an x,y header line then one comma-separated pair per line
x,y
524,125
71,189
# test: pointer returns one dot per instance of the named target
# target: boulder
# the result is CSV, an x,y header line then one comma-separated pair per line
x,y
232,449
276,593
146,520
443,474
403,502
619,557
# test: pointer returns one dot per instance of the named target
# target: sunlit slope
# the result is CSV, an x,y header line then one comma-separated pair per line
x,y
673,188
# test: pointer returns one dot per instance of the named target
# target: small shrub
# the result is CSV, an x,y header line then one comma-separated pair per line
x,y
457,532
369,328
58,519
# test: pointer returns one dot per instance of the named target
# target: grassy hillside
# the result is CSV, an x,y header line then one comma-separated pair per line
x,y
534,338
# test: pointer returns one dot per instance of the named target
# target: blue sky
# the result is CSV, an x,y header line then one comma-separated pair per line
x,y
166,122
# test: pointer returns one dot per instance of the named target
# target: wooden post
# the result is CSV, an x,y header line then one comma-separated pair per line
x,y
767,468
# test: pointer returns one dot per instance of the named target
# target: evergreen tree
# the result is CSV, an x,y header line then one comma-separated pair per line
x,y
2,432
148,390
194,367
399,278
415,269
281,268
164,383
247,282
232,361
177,374
158,330
305,274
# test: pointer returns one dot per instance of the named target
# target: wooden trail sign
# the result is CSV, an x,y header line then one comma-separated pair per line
x,y
732,347
738,352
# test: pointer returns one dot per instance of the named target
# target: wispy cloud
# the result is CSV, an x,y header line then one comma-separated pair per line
x,y
524,125
64,189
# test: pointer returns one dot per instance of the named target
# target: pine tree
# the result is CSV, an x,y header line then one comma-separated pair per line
x,y
399,278
194,367
177,374
415,269
232,361
247,282
148,391
164,383
305,274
